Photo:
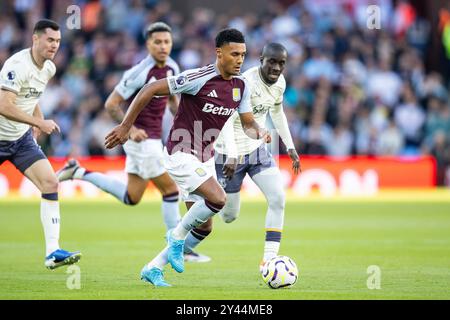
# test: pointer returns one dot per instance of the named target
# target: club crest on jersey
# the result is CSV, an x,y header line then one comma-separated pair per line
x,y
236,94
200,172
11,75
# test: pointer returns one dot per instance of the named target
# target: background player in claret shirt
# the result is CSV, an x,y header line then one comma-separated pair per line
x,y
144,149
24,77
209,96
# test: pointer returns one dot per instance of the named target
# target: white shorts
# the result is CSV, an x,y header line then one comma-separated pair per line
x,y
188,173
144,158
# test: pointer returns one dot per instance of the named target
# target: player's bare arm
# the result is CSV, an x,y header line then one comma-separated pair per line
x,y
38,114
281,124
9,110
252,129
173,104
120,134
113,106
295,161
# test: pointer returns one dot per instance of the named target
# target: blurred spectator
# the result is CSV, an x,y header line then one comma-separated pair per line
x,y
340,143
384,83
390,141
410,118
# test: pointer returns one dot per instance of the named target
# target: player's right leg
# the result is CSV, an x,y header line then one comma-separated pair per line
x,y
27,156
196,236
231,209
42,175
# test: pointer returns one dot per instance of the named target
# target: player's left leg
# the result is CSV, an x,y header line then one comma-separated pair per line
x,y
268,178
42,175
171,210
270,183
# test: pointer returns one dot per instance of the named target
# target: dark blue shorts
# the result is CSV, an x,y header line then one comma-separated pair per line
x,y
22,153
253,163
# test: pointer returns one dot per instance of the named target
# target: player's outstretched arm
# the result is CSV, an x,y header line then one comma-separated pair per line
x,y
295,160
252,129
281,124
120,134
9,110
113,106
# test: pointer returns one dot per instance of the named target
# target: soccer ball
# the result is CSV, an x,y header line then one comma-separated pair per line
x,y
280,272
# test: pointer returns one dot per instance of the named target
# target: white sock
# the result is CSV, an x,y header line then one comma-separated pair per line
x,y
160,260
51,223
271,249
79,173
171,210
198,214
180,233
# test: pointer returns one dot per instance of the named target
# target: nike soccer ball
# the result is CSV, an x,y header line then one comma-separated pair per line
x,y
280,272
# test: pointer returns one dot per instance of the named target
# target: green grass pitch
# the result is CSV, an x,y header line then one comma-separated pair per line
x,y
332,242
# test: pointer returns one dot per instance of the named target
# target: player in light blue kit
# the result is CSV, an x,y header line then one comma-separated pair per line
x,y
24,77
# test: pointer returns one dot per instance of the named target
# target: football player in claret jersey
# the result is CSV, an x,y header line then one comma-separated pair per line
x,y
238,155
24,77
144,149
209,96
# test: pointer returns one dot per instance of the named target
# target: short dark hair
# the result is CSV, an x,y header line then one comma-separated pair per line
x,y
273,46
156,27
43,24
229,35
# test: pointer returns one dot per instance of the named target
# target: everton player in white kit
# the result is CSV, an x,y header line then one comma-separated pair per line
x,y
209,96
24,77
242,155
144,149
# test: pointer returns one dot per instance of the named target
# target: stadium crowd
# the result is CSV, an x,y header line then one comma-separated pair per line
x,y
350,89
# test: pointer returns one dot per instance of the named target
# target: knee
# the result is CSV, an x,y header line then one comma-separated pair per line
x,y
228,215
220,199
131,200
277,201
50,185
169,190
